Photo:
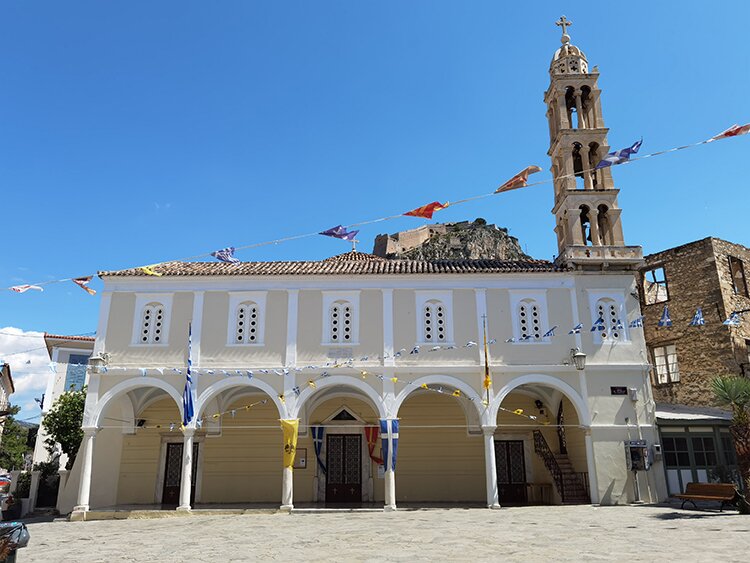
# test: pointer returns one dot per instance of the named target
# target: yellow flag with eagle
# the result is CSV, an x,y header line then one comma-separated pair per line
x,y
290,428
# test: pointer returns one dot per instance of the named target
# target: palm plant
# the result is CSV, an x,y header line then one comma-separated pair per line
x,y
734,392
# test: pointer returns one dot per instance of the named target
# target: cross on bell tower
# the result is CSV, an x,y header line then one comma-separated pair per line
x,y
587,216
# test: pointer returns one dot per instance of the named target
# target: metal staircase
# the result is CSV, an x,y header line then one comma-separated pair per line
x,y
572,486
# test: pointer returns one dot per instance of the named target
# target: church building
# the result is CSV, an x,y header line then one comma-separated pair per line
x,y
403,382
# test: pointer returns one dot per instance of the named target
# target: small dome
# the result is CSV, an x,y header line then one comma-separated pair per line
x,y
569,59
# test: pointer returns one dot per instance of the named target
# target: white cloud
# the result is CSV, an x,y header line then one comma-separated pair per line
x,y
29,365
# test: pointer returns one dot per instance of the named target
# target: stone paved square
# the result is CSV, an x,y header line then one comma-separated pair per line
x,y
541,533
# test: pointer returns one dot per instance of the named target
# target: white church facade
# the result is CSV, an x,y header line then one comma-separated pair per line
x,y
349,345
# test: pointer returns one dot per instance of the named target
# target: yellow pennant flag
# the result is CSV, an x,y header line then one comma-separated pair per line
x,y
290,428
150,270
457,393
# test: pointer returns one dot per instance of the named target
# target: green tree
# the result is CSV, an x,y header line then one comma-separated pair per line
x,y
63,424
13,446
734,392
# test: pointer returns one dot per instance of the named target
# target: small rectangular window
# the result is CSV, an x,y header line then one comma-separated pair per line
x,y
75,375
655,288
737,271
665,364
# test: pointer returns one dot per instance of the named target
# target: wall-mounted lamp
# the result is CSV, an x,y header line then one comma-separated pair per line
x,y
99,362
578,358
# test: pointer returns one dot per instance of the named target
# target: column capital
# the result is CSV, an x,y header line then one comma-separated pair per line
x,y
489,429
90,431
188,432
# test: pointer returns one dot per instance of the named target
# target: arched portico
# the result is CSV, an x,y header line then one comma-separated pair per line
x,y
95,418
470,395
343,382
216,389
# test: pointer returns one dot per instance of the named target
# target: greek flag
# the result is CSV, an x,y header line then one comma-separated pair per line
x,y
598,325
226,255
618,157
390,460
576,329
510,340
665,320
636,323
733,320
698,319
414,350
187,394
550,332
317,433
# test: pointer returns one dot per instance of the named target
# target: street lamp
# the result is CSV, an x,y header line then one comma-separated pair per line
x,y
99,362
578,358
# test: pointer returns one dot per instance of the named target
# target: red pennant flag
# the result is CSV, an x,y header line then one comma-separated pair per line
x,y
83,283
734,131
519,180
426,211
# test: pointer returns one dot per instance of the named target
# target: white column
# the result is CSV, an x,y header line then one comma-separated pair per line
x,y
84,487
390,475
490,467
287,489
197,327
591,466
186,482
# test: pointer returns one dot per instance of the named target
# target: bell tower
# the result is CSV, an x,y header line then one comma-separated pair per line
x,y
587,217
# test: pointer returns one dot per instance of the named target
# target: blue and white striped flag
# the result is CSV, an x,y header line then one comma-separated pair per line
x,y
187,393
576,329
226,255
733,320
389,456
550,332
618,157
318,432
598,325
665,320
636,323
698,319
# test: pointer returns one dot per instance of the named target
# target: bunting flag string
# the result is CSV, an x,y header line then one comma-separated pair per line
x,y
698,319
517,181
426,211
83,283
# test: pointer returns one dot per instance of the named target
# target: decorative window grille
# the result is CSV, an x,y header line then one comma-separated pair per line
x,y
529,320
607,310
152,323
341,322
433,321
247,323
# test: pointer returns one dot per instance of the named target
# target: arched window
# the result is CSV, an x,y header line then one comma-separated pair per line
x,y
247,323
340,322
529,320
585,225
605,227
434,321
152,323
612,325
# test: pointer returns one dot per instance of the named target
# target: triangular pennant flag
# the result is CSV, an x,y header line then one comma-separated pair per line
x,y
618,157
470,344
636,323
598,325
519,180
665,320
550,332
150,270
24,288
510,340
340,232
83,283
576,329
733,320
414,350
426,211
734,131
698,319
226,255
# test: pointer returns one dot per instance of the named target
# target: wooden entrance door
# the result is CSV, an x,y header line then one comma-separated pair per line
x,y
511,471
344,463
173,474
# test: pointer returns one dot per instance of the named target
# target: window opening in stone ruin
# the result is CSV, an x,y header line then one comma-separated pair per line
x,y
665,364
737,271
655,287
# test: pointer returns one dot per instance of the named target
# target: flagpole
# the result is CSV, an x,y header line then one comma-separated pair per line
x,y
487,378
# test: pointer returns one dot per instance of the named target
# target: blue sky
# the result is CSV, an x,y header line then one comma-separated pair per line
x,y
137,132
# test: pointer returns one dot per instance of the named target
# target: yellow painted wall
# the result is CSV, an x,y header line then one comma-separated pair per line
x,y
438,464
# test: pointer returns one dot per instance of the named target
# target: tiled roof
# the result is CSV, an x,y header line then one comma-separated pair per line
x,y
61,337
358,263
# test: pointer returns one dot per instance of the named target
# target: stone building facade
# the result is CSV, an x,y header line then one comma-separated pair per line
x,y
710,274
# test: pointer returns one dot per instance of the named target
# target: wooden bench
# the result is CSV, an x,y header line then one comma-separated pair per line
x,y
723,492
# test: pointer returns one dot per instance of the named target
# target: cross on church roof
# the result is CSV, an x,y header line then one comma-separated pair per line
x,y
564,23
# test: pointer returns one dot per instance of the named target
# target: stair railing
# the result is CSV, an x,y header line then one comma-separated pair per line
x,y
543,450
